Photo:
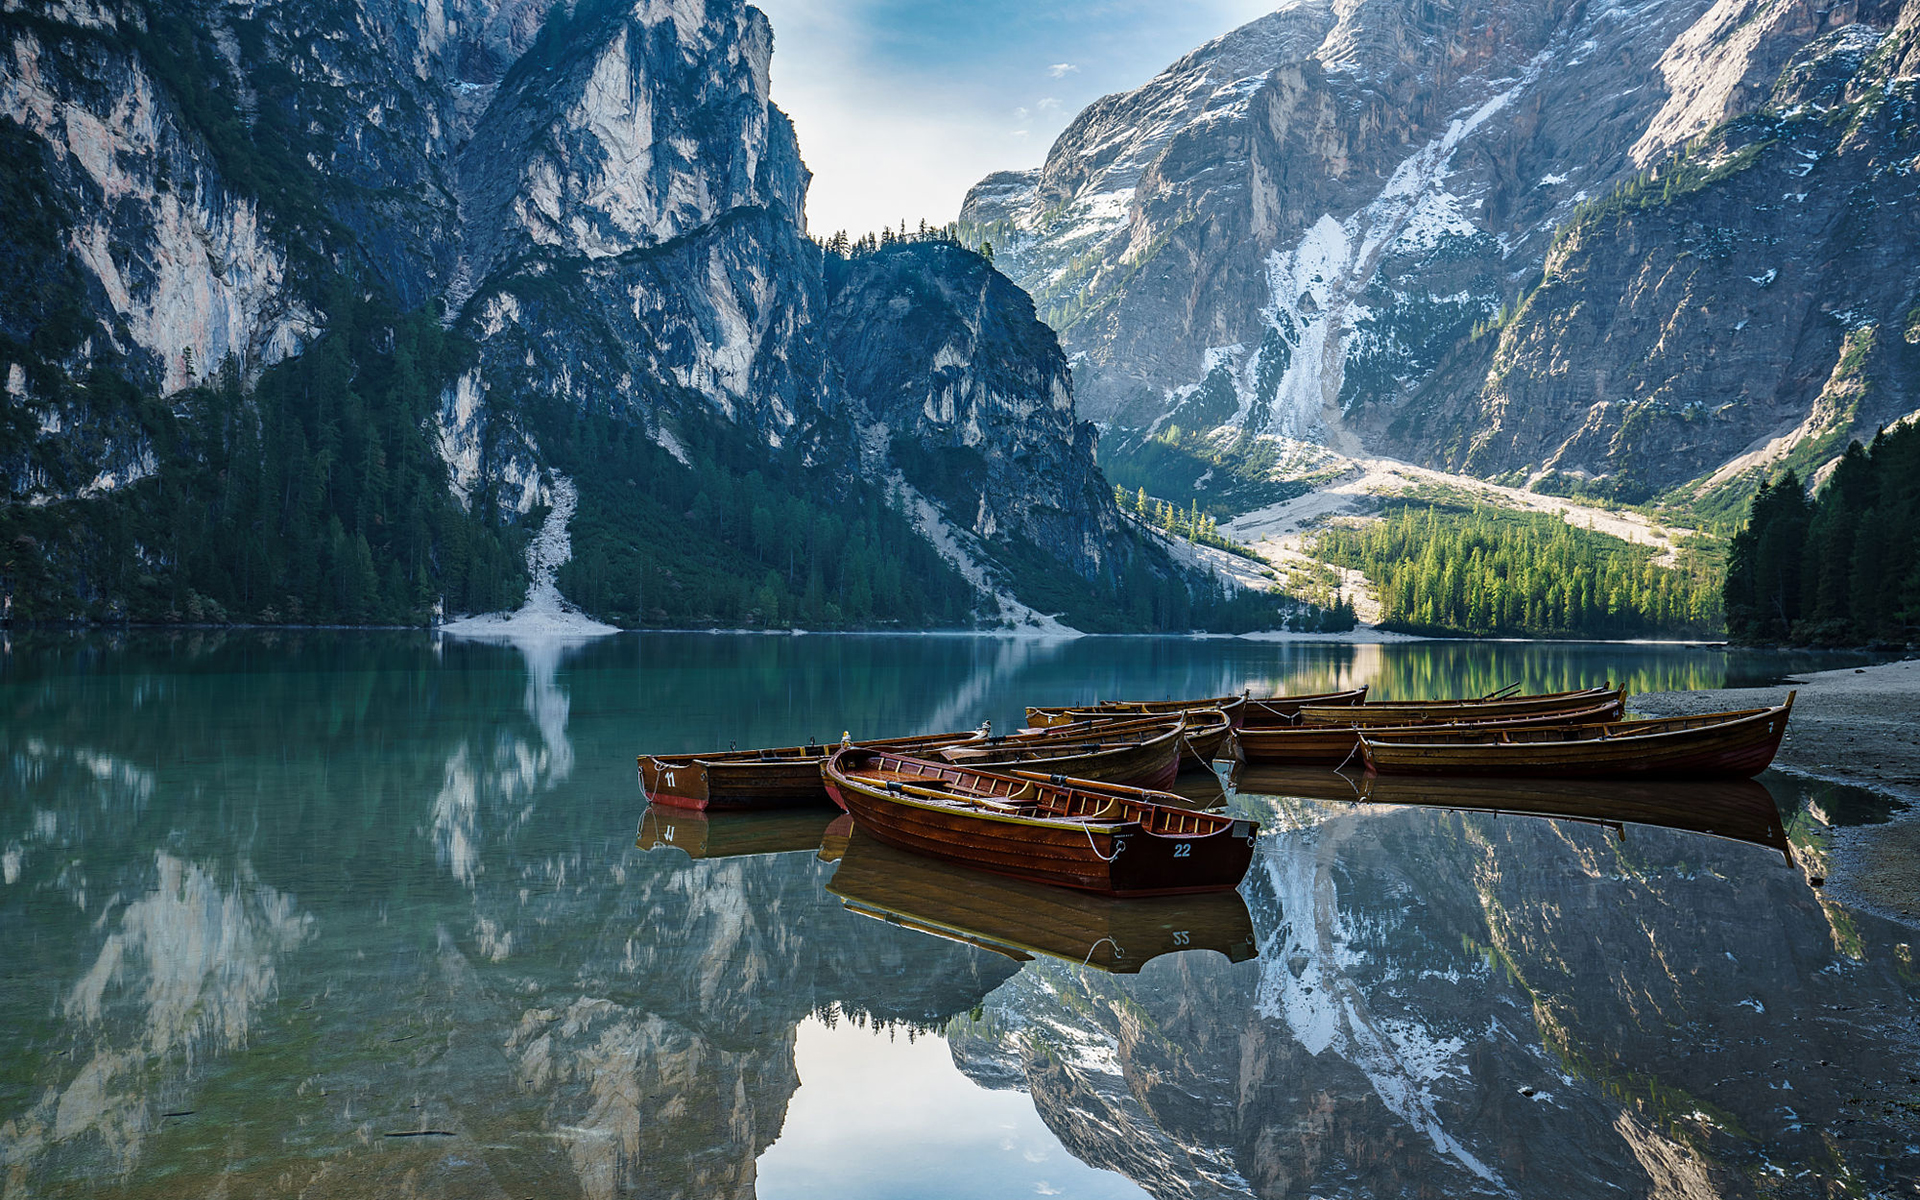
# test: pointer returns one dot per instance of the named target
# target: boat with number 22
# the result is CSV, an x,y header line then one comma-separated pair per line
x,y
1117,841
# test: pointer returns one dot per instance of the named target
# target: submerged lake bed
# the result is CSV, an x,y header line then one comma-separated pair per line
x,y
359,914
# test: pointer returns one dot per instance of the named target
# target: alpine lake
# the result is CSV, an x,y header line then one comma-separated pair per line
x,y
386,914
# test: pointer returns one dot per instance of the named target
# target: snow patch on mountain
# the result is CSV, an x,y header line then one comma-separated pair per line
x,y
1315,286
546,613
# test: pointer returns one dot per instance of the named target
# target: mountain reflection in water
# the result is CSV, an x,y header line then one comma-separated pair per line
x,y
363,914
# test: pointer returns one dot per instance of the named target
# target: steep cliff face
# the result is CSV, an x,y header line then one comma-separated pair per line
x,y
633,203
971,396
599,199
1293,240
175,265
1752,295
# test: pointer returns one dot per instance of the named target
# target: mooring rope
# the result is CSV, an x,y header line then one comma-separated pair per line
x,y
1118,845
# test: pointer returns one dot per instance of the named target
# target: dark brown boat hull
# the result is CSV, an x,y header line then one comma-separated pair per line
x,y
1279,712
1736,747
1113,859
1334,745
1230,705
1412,712
1201,742
1153,763
738,781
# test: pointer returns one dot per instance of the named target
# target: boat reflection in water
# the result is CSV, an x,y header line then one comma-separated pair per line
x,y
1741,810
731,834
1023,920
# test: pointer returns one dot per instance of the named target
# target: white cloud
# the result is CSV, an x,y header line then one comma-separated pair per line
x,y
901,124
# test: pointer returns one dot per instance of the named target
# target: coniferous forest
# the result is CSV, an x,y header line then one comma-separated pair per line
x,y
312,497
1840,568
1455,570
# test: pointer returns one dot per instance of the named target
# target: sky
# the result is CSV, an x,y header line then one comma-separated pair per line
x,y
901,106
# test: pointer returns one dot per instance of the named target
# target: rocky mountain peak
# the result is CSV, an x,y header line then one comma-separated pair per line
x,y
1308,258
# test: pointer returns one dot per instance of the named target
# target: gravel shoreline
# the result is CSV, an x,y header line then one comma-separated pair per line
x,y
1859,726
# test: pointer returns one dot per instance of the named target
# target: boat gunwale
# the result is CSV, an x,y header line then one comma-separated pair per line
x,y
985,807
1538,735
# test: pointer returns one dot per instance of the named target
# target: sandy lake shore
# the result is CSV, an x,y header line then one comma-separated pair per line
x,y
1859,726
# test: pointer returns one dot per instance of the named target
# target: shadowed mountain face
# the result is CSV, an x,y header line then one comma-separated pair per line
x,y
1315,232
603,206
1452,1004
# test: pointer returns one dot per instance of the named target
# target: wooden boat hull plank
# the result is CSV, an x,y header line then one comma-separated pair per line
x,y
1332,745
1110,858
731,780
1715,746
1456,710
1154,763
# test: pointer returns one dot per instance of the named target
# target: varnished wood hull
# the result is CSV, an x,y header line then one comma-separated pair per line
x,y
1230,705
1413,712
742,780
1738,809
1202,741
1333,745
1277,712
1152,762
1205,739
1021,919
1713,746
1118,857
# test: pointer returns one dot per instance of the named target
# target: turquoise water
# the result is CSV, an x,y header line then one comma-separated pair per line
x,y
354,914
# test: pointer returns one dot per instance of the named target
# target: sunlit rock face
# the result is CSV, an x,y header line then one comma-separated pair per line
x,y
1304,230
1753,303
177,264
1469,1005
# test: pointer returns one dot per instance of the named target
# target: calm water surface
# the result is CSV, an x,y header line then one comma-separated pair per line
x,y
378,915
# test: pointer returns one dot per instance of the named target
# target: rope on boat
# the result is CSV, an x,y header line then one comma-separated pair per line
x,y
1118,845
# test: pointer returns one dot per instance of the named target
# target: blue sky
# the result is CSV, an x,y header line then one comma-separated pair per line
x,y
901,107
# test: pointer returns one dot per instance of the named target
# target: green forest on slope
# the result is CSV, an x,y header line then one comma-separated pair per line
x,y
314,497
1456,569
1841,568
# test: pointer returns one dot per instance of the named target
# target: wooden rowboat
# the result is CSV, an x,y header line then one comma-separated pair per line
x,y
1332,745
1023,920
1273,712
1117,841
732,834
1203,740
1412,711
749,779
1230,705
1740,810
1727,745
1137,753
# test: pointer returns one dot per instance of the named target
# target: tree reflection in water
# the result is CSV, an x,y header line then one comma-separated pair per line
x,y
356,915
